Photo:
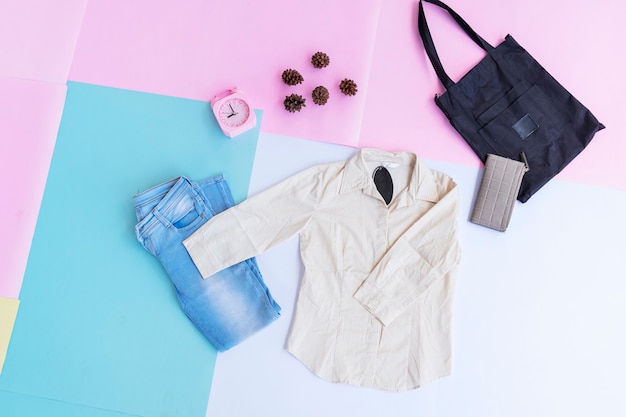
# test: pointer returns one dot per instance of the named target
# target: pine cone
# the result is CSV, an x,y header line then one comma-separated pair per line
x,y
294,103
292,77
348,87
320,60
320,95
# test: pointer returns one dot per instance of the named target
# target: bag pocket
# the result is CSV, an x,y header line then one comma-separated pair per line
x,y
521,116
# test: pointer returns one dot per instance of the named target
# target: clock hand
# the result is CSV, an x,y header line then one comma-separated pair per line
x,y
234,113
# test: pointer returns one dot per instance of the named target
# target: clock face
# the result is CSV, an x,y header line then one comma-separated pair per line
x,y
234,112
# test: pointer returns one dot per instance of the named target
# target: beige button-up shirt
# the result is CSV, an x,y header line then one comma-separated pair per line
x,y
375,303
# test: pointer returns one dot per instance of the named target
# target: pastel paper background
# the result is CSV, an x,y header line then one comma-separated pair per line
x,y
30,113
199,48
99,325
8,311
37,38
531,343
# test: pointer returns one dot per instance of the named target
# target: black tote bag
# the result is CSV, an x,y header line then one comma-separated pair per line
x,y
508,104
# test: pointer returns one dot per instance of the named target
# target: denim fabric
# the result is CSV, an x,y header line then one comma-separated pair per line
x,y
226,307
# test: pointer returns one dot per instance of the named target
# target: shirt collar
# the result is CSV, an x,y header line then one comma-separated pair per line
x,y
422,185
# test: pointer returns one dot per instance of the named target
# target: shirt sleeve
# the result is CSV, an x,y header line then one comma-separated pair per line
x,y
427,251
258,223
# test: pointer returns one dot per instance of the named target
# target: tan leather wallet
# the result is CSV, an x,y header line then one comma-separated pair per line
x,y
498,191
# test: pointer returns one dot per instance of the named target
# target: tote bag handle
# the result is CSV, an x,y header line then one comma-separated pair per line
x,y
429,46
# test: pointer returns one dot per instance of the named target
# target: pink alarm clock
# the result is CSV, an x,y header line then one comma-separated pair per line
x,y
233,112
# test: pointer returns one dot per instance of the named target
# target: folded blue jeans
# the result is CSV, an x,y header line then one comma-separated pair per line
x,y
226,307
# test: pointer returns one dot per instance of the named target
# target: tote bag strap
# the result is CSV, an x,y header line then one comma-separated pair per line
x,y
429,46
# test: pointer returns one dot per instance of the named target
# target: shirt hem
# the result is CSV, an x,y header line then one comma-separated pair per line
x,y
359,384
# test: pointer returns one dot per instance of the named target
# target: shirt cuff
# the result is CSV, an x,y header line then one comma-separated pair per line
x,y
371,298
204,260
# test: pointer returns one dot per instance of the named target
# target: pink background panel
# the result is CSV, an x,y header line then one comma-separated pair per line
x,y
579,43
30,113
195,49
37,38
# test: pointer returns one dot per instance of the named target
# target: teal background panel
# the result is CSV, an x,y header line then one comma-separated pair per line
x,y
99,324
19,405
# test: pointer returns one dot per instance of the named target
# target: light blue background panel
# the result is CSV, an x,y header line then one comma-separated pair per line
x,y
99,331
